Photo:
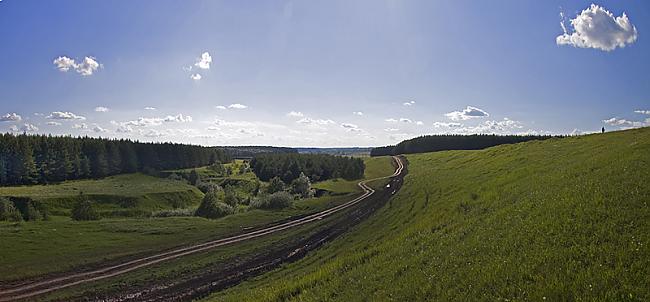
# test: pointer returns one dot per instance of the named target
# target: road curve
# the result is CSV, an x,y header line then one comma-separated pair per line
x,y
45,286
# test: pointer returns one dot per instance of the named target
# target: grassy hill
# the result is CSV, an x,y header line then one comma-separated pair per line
x,y
555,220
120,195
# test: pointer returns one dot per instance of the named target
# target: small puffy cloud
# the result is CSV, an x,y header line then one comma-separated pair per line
x,y
405,120
295,114
99,129
101,109
124,129
220,107
391,129
204,61
195,76
10,117
359,113
596,27
149,108
467,113
642,111
28,128
349,126
446,125
180,118
59,115
409,103
80,126
53,124
237,106
310,121
86,67
419,123
391,120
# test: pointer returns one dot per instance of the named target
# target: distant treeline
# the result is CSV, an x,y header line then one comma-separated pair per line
x,y
432,143
40,159
317,167
250,151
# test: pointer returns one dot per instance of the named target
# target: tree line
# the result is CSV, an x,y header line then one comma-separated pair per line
x,y
432,143
40,159
317,167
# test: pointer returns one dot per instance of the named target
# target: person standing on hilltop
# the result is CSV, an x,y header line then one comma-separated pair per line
x,y
603,130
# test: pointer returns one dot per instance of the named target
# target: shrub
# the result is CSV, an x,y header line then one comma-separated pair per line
x,y
194,177
176,177
230,197
302,186
278,200
275,185
84,210
207,187
8,211
212,208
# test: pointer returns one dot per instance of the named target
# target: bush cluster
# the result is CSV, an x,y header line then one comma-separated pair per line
x,y
278,200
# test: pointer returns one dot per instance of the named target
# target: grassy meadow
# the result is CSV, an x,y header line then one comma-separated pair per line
x,y
38,247
556,220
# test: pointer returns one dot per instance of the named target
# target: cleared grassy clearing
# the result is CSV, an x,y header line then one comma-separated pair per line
x,y
562,219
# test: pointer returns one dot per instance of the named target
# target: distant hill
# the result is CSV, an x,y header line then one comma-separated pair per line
x,y
250,151
355,151
432,143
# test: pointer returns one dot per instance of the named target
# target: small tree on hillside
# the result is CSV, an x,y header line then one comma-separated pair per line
x,y
275,185
194,177
230,196
302,186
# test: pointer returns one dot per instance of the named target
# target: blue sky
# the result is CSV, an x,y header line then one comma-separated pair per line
x,y
320,73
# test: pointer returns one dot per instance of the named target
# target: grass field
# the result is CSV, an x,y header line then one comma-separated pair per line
x,y
557,220
120,195
34,248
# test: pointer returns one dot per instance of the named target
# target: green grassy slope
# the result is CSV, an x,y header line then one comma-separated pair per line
x,y
562,219
116,195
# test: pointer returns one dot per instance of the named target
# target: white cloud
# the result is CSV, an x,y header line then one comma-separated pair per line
x,y
80,126
99,129
391,129
359,113
53,123
419,123
28,128
310,121
204,61
59,115
467,113
626,124
237,106
220,107
10,117
124,127
295,114
390,120
349,126
86,67
179,118
149,108
195,76
405,120
64,63
642,111
409,103
101,109
446,125
595,27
